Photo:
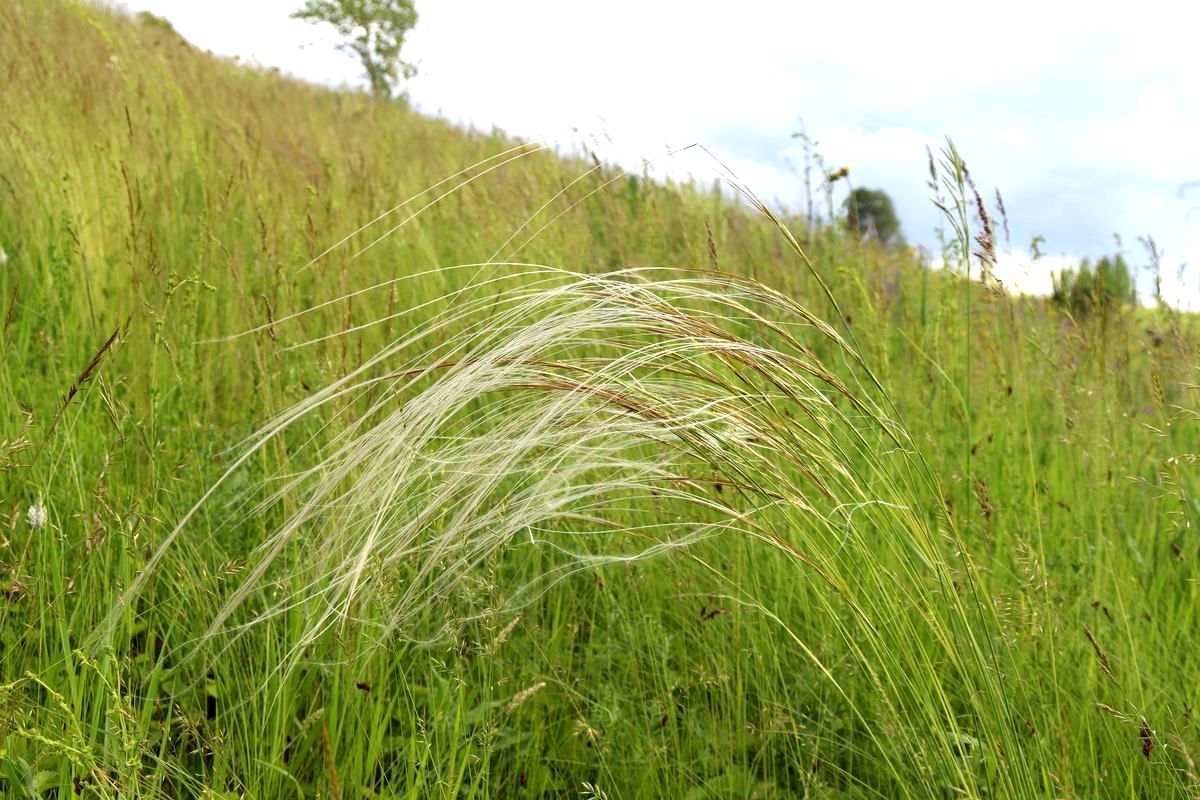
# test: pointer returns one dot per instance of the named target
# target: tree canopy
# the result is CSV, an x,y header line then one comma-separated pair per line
x,y
374,31
871,212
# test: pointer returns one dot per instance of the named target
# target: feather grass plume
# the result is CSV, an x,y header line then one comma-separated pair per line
x,y
589,419
578,404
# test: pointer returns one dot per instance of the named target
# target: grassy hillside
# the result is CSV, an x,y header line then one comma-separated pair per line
x,y
940,546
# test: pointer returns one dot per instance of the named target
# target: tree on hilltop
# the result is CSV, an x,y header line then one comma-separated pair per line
x,y
871,212
374,31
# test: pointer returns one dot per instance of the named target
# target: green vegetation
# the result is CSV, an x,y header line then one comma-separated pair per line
x,y
648,499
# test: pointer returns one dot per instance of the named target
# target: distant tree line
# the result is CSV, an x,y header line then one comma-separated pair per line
x,y
1107,286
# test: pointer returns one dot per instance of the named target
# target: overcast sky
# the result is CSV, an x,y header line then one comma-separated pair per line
x,y
1087,120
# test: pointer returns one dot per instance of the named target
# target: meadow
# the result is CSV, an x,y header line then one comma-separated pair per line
x,y
348,453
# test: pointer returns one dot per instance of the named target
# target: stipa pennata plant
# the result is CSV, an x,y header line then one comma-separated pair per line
x,y
572,421
551,422
574,400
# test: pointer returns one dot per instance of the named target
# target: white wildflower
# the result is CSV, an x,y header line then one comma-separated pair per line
x,y
37,515
3,257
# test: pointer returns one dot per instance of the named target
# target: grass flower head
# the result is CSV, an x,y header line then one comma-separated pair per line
x,y
37,515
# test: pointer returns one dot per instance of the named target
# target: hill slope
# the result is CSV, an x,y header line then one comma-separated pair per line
x,y
156,199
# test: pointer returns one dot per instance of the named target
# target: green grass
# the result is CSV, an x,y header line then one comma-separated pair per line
x,y
1016,618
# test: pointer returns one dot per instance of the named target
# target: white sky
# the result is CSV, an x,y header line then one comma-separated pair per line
x,y
1085,116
